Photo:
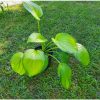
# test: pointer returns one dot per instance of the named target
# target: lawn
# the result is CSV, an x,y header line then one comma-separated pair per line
x,y
81,20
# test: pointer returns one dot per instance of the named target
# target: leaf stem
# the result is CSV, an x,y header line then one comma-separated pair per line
x,y
54,48
54,58
49,43
53,51
43,46
38,26
50,46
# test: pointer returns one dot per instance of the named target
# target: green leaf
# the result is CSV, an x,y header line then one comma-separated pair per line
x,y
61,56
37,38
65,73
45,63
33,8
65,42
82,54
35,61
17,64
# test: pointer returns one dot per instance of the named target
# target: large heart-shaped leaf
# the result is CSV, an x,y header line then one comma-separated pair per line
x,y
34,61
65,73
17,63
82,54
33,8
36,37
65,42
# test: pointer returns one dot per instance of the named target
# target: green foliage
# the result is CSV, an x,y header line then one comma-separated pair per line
x,y
82,54
36,61
78,18
36,37
32,62
62,56
65,73
17,63
65,42
34,9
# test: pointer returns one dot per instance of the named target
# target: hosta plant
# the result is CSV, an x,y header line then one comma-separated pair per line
x,y
34,61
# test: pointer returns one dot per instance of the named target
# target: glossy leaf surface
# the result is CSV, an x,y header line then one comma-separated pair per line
x,y
17,64
82,54
65,42
34,62
33,8
65,73
36,37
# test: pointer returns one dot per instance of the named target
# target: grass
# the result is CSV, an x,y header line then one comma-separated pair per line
x,y
81,20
